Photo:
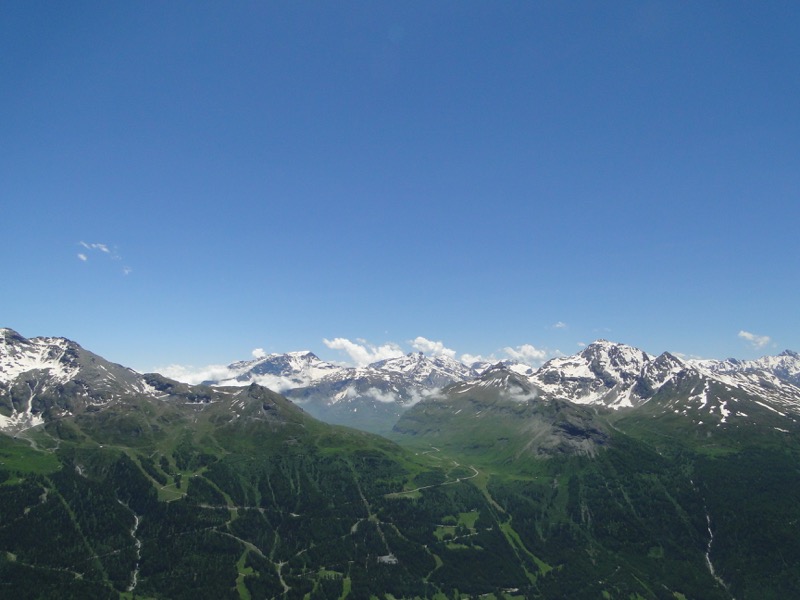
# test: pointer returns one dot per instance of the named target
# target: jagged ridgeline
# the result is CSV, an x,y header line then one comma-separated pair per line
x,y
115,484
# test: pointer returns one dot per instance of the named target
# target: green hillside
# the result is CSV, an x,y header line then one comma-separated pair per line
x,y
638,503
237,493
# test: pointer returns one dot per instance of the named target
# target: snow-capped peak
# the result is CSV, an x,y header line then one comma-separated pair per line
x,y
38,374
620,376
19,355
604,372
663,368
279,372
785,366
434,371
617,359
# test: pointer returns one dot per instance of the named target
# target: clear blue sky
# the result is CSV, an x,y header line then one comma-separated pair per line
x,y
182,182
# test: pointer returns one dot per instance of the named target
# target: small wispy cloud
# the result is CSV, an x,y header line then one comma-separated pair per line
x,y
559,325
363,353
684,356
755,340
100,249
418,396
518,395
386,397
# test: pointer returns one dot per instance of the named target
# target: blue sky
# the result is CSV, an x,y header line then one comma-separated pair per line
x,y
184,182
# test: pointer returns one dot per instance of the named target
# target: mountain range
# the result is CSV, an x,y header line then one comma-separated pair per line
x,y
604,373
374,397
607,474
370,398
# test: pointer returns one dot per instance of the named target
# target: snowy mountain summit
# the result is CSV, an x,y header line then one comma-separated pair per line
x,y
437,371
282,372
785,366
19,355
719,392
371,396
52,376
279,372
603,373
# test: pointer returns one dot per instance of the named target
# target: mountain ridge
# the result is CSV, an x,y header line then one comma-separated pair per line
x,y
373,397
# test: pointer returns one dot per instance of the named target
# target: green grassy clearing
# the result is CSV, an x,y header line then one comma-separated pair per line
x,y
17,455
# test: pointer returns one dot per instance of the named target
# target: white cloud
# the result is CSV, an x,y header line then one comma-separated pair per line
x,y
757,341
127,270
387,397
349,393
559,325
258,353
364,353
82,256
517,395
527,354
431,347
469,359
276,383
194,375
226,376
581,344
418,396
